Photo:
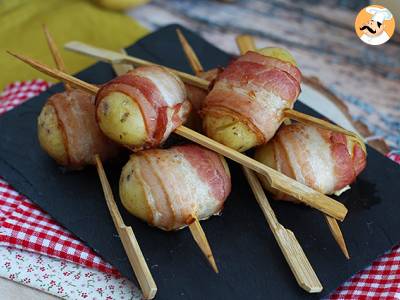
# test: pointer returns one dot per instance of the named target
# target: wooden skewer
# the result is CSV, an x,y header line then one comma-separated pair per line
x,y
337,235
194,225
55,53
115,57
121,69
246,43
128,239
201,240
290,247
275,179
190,54
57,74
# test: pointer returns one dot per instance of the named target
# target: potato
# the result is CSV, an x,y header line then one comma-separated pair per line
x,y
278,53
121,120
132,192
230,132
265,154
51,136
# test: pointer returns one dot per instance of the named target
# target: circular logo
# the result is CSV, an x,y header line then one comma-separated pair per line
x,y
374,25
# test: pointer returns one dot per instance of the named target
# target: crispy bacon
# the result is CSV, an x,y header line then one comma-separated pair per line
x,y
181,181
160,95
324,160
255,89
75,111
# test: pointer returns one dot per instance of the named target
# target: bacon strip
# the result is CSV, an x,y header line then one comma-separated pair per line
x,y
83,139
255,89
258,58
317,157
180,181
160,95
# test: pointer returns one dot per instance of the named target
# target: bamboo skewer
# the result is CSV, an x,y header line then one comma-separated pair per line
x,y
190,54
246,43
128,239
276,179
201,240
115,57
193,222
55,53
121,69
337,235
290,247
57,74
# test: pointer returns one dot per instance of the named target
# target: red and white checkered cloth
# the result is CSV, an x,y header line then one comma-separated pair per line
x,y
24,225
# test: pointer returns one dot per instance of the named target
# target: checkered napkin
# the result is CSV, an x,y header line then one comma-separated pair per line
x,y
24,225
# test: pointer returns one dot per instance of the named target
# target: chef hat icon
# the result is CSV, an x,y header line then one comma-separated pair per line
x,y
379,14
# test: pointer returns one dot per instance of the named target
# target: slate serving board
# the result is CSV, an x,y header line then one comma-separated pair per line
x,y
250,262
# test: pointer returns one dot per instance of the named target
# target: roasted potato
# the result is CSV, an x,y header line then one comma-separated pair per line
x,y
278,53
229,131
119,117
51,136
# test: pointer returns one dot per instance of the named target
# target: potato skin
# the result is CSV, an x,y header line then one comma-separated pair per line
x,y
120,118
229,131
278,53
51,136
266,155
132,191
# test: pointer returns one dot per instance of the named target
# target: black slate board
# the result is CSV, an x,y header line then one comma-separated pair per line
x,y
250,262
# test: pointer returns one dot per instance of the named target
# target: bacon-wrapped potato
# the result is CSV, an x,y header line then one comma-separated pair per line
x,y
245,107
324,160
68,131
142,107
164,187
